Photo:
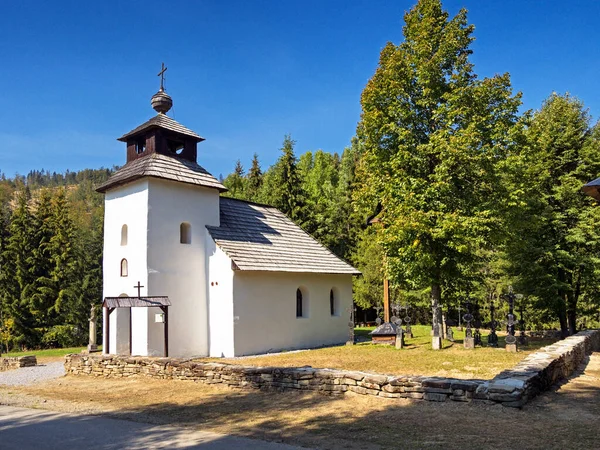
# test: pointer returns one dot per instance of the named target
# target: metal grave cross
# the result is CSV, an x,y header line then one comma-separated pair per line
x,y
139,289
161,74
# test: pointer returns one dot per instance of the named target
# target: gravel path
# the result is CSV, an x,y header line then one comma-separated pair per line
x,y
31,375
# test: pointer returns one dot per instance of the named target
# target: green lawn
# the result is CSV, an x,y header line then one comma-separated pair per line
x,y
50,354
417,358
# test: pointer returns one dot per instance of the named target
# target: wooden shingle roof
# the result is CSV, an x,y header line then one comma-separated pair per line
x,y
161,166
162,121
262,238
135,302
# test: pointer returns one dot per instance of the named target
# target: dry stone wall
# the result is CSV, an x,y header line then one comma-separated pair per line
x,y
16,362
536,373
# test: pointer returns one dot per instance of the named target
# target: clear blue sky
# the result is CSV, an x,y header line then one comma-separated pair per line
x,y
76,75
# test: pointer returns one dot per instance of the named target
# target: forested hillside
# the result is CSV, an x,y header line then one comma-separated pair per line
x,y
50,257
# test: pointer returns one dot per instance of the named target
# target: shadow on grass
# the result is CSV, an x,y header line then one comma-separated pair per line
x,y
358,422
564,419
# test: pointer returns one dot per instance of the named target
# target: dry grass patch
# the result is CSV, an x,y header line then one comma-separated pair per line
x,y
416,359
350,421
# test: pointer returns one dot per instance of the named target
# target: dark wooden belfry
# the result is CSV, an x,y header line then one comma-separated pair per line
x,y
161,134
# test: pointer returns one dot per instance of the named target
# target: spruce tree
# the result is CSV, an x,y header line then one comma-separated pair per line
x,y
18,272
254,180
43,293
289,196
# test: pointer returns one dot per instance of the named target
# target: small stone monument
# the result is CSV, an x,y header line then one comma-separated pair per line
x,y
449,332
511,340
436,339
407,320
92,345
477,335
469,342
399,334
350,340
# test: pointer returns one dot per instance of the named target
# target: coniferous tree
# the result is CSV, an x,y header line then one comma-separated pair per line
x,y
18,273
235,181
287,193
254,180
43,293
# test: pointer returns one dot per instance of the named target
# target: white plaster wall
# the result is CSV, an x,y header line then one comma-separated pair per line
x,y
265,308
125,205
220,309
180,270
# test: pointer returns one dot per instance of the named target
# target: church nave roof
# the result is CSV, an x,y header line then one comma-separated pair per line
x,y
260,237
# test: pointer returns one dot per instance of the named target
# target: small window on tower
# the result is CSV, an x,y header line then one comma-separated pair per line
x,y
124,235
175,147
124,268
140,146
185,233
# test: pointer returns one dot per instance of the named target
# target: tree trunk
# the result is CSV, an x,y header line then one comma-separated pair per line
x,y
562,315
572,300
436,296
561,309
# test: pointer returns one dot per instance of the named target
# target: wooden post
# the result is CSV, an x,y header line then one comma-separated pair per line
x,y
386,300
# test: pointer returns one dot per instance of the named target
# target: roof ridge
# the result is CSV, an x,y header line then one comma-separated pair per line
x,y
250,202
164,121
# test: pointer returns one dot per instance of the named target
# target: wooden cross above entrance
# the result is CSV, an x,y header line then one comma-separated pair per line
x,y
161,74
139,289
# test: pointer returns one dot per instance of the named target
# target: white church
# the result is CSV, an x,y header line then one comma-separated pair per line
x,y
188,272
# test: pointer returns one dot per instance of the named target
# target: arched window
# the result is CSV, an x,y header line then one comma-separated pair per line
x,y
185,233
124,268
124,235
331,303
334,302
298,303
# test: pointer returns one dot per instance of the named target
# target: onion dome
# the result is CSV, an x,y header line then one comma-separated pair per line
x,y
161,101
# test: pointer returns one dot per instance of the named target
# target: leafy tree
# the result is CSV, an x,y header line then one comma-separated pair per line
x,y
432,134
556,251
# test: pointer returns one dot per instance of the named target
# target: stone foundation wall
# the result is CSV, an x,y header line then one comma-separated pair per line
x,y
536,373
16,362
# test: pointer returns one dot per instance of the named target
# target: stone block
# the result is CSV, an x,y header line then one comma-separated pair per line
x,y
369,385
512,348
389,395
438,390
357,376
392,389
432,397
468,386
415,395
469,343
375,379
436,343
440,383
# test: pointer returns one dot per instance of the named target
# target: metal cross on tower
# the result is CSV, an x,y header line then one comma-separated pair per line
x,y
161,74
139,289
